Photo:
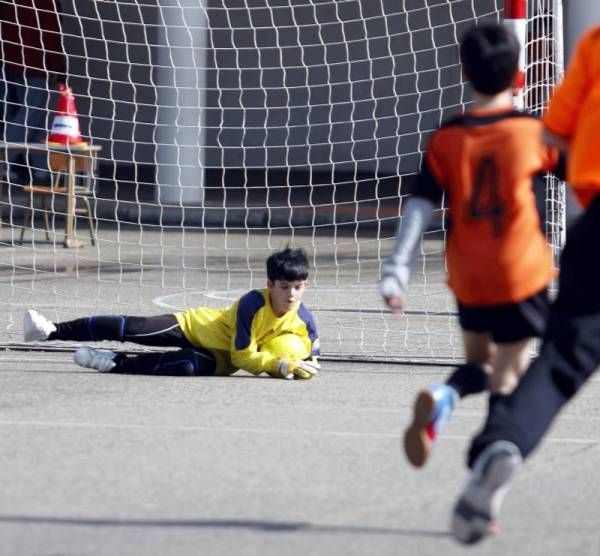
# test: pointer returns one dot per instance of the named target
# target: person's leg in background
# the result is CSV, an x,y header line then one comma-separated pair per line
x,y
27,122
15,129
38,100
11,104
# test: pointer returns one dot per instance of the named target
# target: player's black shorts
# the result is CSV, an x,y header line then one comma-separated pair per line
x,y
509,322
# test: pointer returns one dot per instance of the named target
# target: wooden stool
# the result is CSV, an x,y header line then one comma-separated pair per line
x,y
58,163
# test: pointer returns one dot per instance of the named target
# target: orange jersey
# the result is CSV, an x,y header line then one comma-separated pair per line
x,y
574,113
486,162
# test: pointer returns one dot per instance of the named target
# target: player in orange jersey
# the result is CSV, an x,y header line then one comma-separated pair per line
x,y
570,352
485,162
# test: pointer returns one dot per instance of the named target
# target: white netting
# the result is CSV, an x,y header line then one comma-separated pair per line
x,y
545,66
230,128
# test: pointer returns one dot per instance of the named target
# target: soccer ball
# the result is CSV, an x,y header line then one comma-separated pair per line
x,y
288,346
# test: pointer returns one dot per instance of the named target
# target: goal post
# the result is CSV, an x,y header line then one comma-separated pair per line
x,y
230,128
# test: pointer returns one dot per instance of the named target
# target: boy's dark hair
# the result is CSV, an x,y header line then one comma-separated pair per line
x,y
288,264
490,57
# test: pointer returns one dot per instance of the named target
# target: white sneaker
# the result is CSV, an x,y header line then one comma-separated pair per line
x,y
36,327
95,359
479,504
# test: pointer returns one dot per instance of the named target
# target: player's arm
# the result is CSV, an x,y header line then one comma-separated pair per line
x,y
254,361
563,111
416,215
310,366
558,148
302,368
565,105
257,362
555,160
244,347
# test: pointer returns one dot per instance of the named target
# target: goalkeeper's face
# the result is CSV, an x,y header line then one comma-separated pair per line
x,y
284,295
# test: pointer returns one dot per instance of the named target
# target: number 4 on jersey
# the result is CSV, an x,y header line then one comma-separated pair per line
x,y
485,201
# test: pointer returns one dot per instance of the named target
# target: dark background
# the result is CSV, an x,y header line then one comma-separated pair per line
x,y
334,98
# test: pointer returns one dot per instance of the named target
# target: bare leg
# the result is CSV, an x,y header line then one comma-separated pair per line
x,y
479,349
510,364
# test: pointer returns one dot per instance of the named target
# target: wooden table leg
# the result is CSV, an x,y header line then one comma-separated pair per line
x,y
70,241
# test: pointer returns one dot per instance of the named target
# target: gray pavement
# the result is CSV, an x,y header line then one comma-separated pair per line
x,y
107,464
138,270
98,464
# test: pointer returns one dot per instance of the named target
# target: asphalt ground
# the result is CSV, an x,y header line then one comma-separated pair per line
x,y
110,464
107,464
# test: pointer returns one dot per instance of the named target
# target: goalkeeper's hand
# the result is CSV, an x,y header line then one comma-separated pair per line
x,y
299,369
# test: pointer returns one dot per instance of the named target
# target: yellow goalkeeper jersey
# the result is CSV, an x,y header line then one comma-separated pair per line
x,y
233,334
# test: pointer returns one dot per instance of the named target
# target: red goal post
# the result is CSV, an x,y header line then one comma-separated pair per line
x,y
515,18
538,25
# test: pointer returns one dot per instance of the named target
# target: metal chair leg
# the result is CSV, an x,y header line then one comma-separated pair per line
x,y
45,210
29,218
90,220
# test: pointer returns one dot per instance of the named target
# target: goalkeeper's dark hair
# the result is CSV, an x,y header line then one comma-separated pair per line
x,y
490,57
288,264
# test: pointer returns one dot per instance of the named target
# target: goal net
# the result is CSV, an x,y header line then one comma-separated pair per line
x,y
229,129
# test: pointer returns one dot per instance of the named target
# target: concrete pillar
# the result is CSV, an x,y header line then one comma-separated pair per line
x,y
180,81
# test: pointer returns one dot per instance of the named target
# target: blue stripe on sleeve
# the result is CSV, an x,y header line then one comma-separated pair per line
x,y
309,321
248,307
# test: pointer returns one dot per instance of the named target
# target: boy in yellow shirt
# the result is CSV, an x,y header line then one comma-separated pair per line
x,y
211,341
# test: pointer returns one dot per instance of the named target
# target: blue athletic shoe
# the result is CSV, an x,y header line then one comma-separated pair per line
x,y
432,410
478,506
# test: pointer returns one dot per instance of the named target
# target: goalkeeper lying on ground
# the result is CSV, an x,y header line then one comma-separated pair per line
x,y
211,341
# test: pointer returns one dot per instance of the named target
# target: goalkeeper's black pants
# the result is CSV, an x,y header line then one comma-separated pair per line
x,y
158,331
570,351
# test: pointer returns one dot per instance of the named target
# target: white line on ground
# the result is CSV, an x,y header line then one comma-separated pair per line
x,y
174,301
235,430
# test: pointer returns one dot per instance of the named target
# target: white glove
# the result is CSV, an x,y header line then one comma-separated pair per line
x,y
299,369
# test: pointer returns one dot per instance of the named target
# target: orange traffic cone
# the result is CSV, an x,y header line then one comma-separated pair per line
x,y
65,127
